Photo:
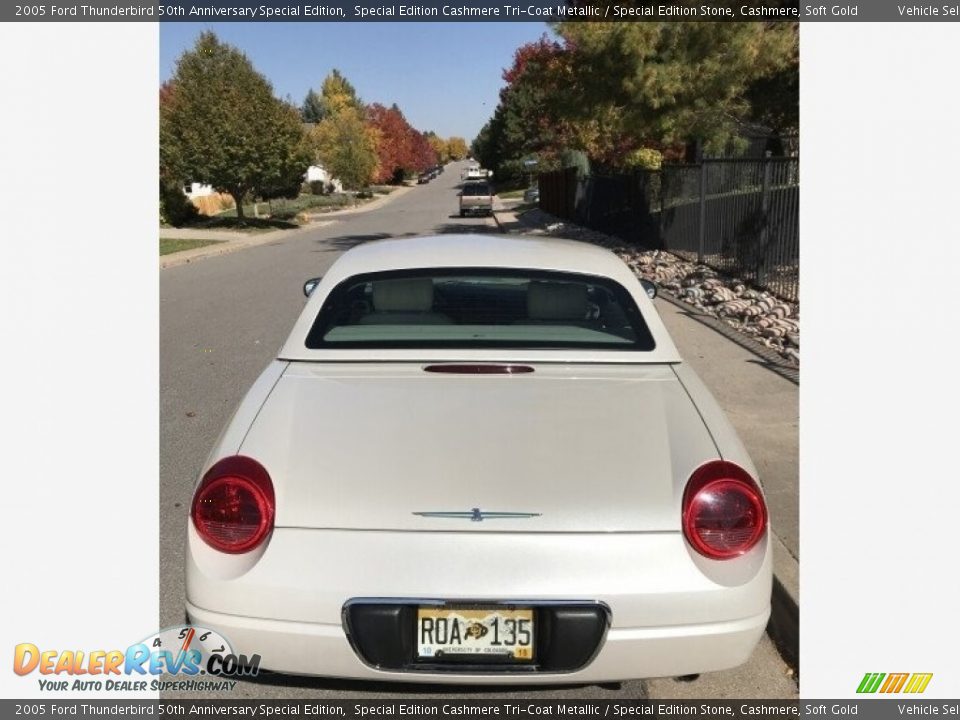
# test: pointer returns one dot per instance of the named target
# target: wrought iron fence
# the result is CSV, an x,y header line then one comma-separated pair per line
x,y
740,216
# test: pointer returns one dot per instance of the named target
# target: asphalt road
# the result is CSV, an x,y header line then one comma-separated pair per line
x,y
222,320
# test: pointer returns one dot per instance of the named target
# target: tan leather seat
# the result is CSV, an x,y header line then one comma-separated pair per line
x,y
553,302
404,302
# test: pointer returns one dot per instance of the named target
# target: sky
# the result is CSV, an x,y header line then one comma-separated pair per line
x,y
445,77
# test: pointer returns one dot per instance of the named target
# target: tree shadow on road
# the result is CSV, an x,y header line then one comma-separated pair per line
x,y
345,242
464,229
250,224
789,372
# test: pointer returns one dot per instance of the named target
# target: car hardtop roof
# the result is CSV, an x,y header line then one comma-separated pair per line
x,y
516,252
480,251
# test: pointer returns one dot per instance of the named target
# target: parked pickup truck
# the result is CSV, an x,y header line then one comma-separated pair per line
x,y
476,198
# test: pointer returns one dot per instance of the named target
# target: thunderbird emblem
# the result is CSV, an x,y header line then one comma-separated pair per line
x,y
478,515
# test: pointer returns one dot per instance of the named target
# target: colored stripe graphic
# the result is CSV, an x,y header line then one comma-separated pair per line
x,y
894,683
870,682
918,682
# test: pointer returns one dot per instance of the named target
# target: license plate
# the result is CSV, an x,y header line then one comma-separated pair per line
x,y
483,634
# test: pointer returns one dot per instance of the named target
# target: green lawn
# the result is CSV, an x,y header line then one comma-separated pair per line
x,y
172,245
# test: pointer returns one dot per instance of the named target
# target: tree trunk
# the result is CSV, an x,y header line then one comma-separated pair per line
x,y
238,201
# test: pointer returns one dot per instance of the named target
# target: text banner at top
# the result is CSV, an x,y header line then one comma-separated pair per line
x,y
475,11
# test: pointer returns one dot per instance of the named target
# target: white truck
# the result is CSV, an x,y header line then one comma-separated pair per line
x,y
475,172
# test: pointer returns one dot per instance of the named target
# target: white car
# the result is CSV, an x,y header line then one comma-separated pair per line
x,y
480,459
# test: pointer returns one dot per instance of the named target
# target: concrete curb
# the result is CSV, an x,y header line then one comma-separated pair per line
x,y
372,205
226,246
784,625
232,241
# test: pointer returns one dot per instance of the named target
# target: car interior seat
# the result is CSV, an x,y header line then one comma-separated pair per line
x,y
404,302
558,303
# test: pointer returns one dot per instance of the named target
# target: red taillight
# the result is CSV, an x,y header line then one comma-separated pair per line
x,y
724,514
233,506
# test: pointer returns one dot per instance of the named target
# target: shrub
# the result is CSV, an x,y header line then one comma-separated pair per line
x,y
175,207
318,187
284,213
646,158
577,159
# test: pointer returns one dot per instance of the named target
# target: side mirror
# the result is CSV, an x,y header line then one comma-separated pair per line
x,y
649,288
310,285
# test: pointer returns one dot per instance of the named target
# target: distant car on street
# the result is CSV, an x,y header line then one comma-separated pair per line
x,y
476,198
480,459
475,172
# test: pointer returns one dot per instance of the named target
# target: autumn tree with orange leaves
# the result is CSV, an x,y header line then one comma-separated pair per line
x,y
401,149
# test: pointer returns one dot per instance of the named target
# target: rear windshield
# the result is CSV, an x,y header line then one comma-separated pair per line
x,y
479,308
476,189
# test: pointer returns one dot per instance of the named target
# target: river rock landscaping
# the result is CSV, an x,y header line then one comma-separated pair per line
x,y
768,319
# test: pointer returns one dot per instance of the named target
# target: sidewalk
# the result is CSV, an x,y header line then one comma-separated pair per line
x,y
761,399
231,241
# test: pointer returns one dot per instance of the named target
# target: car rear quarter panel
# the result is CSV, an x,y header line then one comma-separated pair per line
x,y
236,429
723,433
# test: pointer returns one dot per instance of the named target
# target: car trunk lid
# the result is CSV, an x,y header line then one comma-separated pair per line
x,y
564,448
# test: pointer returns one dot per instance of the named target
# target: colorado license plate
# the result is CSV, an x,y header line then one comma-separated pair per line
x,y
485,634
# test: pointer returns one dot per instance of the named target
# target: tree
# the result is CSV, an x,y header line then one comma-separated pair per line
x,y
312,110
288,178
220,124
457,148
670,83
440,147
175,207
529,120
337,93
394,148
401,149
424,154
775,99
346,146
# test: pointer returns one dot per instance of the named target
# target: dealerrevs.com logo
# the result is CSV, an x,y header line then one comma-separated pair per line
x,y
185,652
894,682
